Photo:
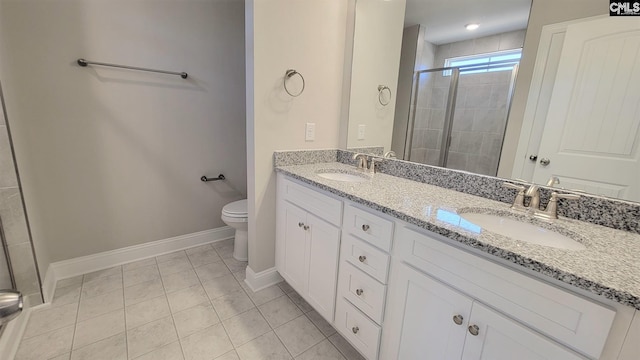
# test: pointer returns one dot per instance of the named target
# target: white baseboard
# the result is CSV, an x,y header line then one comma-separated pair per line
x,y
104,260
257,281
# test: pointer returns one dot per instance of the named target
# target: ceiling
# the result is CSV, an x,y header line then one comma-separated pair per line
x,y
444,20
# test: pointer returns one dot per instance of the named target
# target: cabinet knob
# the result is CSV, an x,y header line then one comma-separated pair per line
x,y
362,258
302,225
306,227
474,330
458,319
365,227
355,329
359,292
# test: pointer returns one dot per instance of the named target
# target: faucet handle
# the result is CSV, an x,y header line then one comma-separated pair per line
x,y
513,186
555,196
518,201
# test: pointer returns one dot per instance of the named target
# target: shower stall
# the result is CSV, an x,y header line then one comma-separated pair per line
x,y
458,116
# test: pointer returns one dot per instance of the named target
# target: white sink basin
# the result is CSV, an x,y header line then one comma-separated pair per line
x,y
522,231
343,176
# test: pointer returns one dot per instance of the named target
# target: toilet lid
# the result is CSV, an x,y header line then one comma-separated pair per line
x,y
236,208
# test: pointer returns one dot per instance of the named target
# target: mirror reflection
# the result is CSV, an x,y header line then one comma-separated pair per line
x,y
452,72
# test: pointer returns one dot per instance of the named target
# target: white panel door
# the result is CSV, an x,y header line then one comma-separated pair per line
x,y
291,247
500,338
420,320
591,136
323,253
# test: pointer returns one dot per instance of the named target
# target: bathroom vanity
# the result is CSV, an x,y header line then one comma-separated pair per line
x,y
392,265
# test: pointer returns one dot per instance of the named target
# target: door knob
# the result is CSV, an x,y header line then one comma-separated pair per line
x,y
355,329
365,227
545,161
457,319
474,330
362,258
359,292
533,157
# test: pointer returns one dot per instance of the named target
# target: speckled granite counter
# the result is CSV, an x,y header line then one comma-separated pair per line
x,y
609,266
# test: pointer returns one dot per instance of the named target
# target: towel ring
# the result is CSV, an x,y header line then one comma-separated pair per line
x,y
288,74
381,89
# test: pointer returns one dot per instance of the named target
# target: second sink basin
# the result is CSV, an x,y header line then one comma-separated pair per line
x,y
343,175
522,231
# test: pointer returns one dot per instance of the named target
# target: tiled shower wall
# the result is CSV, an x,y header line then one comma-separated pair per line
x,y
480,114
14,223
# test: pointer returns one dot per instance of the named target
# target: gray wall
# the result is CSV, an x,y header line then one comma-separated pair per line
x,y
112,158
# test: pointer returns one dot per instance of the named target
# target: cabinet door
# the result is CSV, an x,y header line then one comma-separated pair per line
x,y
291,247
323,252
501,338
420,320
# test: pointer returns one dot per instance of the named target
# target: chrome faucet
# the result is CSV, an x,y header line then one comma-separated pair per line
x,y
372,164
518,201
361,160
390,154
551,212
534,193
553,180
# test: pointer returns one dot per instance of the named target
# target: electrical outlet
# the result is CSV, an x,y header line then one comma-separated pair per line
x,y
310,132
361,129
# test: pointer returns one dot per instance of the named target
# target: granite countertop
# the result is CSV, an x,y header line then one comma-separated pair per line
x,y
608,267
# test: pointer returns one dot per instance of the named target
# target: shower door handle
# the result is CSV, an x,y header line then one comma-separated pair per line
x,y
10,305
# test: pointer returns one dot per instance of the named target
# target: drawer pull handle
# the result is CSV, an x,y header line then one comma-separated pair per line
x,y
359,292
457,319
362,258
365,227
474,330
355,329
302,225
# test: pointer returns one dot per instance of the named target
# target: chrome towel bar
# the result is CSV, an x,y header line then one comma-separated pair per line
x,y
84,63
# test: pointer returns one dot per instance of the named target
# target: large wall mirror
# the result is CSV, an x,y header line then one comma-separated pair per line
x,y
501,88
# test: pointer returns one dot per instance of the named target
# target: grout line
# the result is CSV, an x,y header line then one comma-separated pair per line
x,y
173,320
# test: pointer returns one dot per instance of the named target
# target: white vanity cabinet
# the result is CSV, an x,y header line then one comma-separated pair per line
x,y
308,243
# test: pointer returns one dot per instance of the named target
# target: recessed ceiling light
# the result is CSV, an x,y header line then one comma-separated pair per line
x,y
471,27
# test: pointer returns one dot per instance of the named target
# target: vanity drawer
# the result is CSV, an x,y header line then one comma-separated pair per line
x,y
321,205
570,319
362,291
361,332
365,257
368,227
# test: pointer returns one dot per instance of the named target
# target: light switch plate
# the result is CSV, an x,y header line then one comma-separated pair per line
x,y
361,130
310,132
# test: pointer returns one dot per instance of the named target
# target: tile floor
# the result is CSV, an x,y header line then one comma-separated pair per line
x,y
189,305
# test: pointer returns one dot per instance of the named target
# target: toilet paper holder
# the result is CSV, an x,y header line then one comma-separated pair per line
x,y
205,179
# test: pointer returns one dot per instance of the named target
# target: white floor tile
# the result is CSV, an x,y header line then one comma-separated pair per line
x,y
211,271
98,328
144,291
116,270
246,327
224,248
66,356
325,351
150,337
111,348
235,265
279,311
345,348
140,275
180,280
139,263
231,355
322,324
203,255
221,286
101,285
299,335
47,345
146,312
174,266
66,295
206,344
50,318
171,256
195,319
300,302
172,351
99,305
265,347
186,298
233,304
265,295
76,280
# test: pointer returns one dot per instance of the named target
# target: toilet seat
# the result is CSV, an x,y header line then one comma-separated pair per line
x,y
236,209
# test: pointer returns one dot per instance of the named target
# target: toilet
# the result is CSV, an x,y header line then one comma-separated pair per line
x,y
235,215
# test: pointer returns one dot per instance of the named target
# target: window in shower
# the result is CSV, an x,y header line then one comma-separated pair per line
x,y
488,62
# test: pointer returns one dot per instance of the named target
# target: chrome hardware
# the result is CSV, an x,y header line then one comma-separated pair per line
x,y
551,212
372,164
306,227
518,201
289,74
365,227
359,292
474,330
84,63
552,181
381,89
355,329
390,154
457,319
361,160
10,305
534,193
533,157
205,179
362,258
302,225
545,161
